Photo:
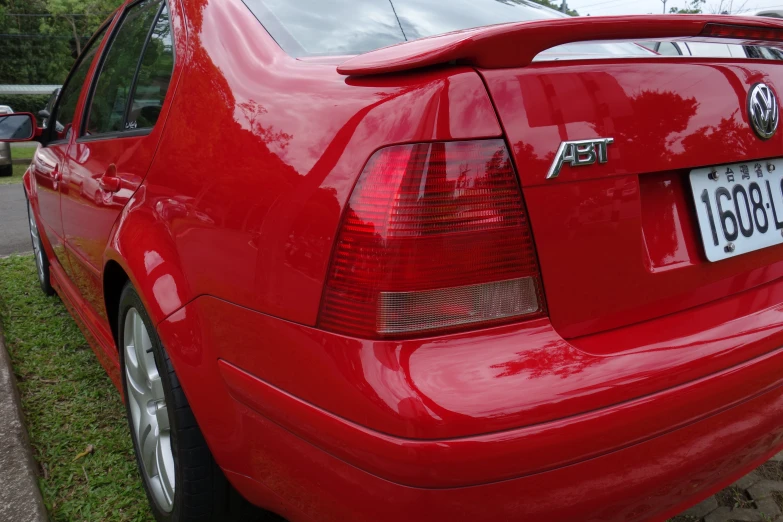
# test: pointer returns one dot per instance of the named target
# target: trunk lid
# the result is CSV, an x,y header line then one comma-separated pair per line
x,y
619,242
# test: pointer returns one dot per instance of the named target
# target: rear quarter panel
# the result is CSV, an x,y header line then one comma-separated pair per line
x,y
261,152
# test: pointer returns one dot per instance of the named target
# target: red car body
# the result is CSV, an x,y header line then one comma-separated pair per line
x,y
649,379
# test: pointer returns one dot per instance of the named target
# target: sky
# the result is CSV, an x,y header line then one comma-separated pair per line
x,y
617,7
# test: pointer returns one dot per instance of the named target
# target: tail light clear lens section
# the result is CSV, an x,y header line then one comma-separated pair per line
x,y
434,238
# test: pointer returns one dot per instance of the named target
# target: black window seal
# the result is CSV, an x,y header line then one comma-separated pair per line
x,y
76,65
114,135
99,69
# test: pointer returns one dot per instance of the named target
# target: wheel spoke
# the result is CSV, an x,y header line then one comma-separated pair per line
x,y
136,377
139,335
138,394
165,467
156,387
148,442
162,416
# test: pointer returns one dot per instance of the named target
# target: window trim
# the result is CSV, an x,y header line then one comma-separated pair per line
x,y
83,137
68,79
115,135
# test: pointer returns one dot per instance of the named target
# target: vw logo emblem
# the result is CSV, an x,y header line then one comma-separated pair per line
x,y
763,111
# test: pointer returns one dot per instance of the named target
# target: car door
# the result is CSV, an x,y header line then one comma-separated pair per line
x,y
120,130
48,163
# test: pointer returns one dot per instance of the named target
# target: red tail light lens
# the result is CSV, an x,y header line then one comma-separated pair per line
x,y
739,32
434,238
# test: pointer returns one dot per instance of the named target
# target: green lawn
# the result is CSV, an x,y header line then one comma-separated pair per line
x,y
18,153
69,403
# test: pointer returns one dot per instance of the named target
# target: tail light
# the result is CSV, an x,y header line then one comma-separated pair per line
x,y
761,35
434,238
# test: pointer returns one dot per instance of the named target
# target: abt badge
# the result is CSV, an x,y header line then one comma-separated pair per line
x,y
578,153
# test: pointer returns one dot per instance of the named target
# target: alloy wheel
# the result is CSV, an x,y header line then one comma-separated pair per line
x,y
37,250
149,411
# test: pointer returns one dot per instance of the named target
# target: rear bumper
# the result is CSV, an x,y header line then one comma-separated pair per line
x,y
509,454
508,423
650,481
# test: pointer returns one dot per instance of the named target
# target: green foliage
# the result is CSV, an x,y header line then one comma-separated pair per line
x,y
25,102
692,7
78,18
29,57
69,404
40,47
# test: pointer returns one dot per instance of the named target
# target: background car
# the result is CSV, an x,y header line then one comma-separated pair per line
x,y
713,50
706,49
6,163
45,113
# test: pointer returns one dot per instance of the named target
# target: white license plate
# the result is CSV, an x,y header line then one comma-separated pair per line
x,y
740,207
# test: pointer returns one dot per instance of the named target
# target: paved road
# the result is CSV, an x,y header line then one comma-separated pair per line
x,y
14,237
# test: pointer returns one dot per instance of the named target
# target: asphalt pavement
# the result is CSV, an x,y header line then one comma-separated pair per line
x,y
14,236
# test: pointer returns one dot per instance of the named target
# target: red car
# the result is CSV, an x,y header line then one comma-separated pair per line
x,y
352,265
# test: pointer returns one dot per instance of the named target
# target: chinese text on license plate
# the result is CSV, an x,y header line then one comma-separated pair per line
x,y
739,206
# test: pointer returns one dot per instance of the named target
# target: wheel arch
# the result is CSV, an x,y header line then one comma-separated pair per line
x,y
27,183
142,251
114,279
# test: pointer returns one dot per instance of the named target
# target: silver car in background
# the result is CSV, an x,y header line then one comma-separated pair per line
x,y
683,48
6,168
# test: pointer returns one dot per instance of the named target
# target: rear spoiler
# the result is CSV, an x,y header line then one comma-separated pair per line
x,y
516,44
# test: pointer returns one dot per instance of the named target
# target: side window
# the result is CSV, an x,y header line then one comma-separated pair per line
x,y
110,96
154,76
69,96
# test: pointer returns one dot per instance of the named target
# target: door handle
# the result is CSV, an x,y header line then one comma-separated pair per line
x,y
56,174
109,182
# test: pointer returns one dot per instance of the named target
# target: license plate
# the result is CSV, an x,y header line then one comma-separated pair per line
x,y
739,206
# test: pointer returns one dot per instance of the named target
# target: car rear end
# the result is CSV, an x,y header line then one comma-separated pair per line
x,y
578,318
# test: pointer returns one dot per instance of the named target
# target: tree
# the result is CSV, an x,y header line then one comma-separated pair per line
x,y
41,38
556,6
692,7
29,56
79,17
546,3
728,7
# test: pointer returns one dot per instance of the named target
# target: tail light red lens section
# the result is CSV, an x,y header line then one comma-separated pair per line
x,y
434,238
739,32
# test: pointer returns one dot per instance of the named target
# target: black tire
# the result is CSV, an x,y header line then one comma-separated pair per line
x,y
39,254
202,492
6,170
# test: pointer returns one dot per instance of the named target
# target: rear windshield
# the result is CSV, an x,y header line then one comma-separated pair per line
x,y
347,27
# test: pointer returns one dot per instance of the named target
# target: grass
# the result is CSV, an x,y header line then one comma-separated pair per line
x,y
69,404
18,170
734,497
